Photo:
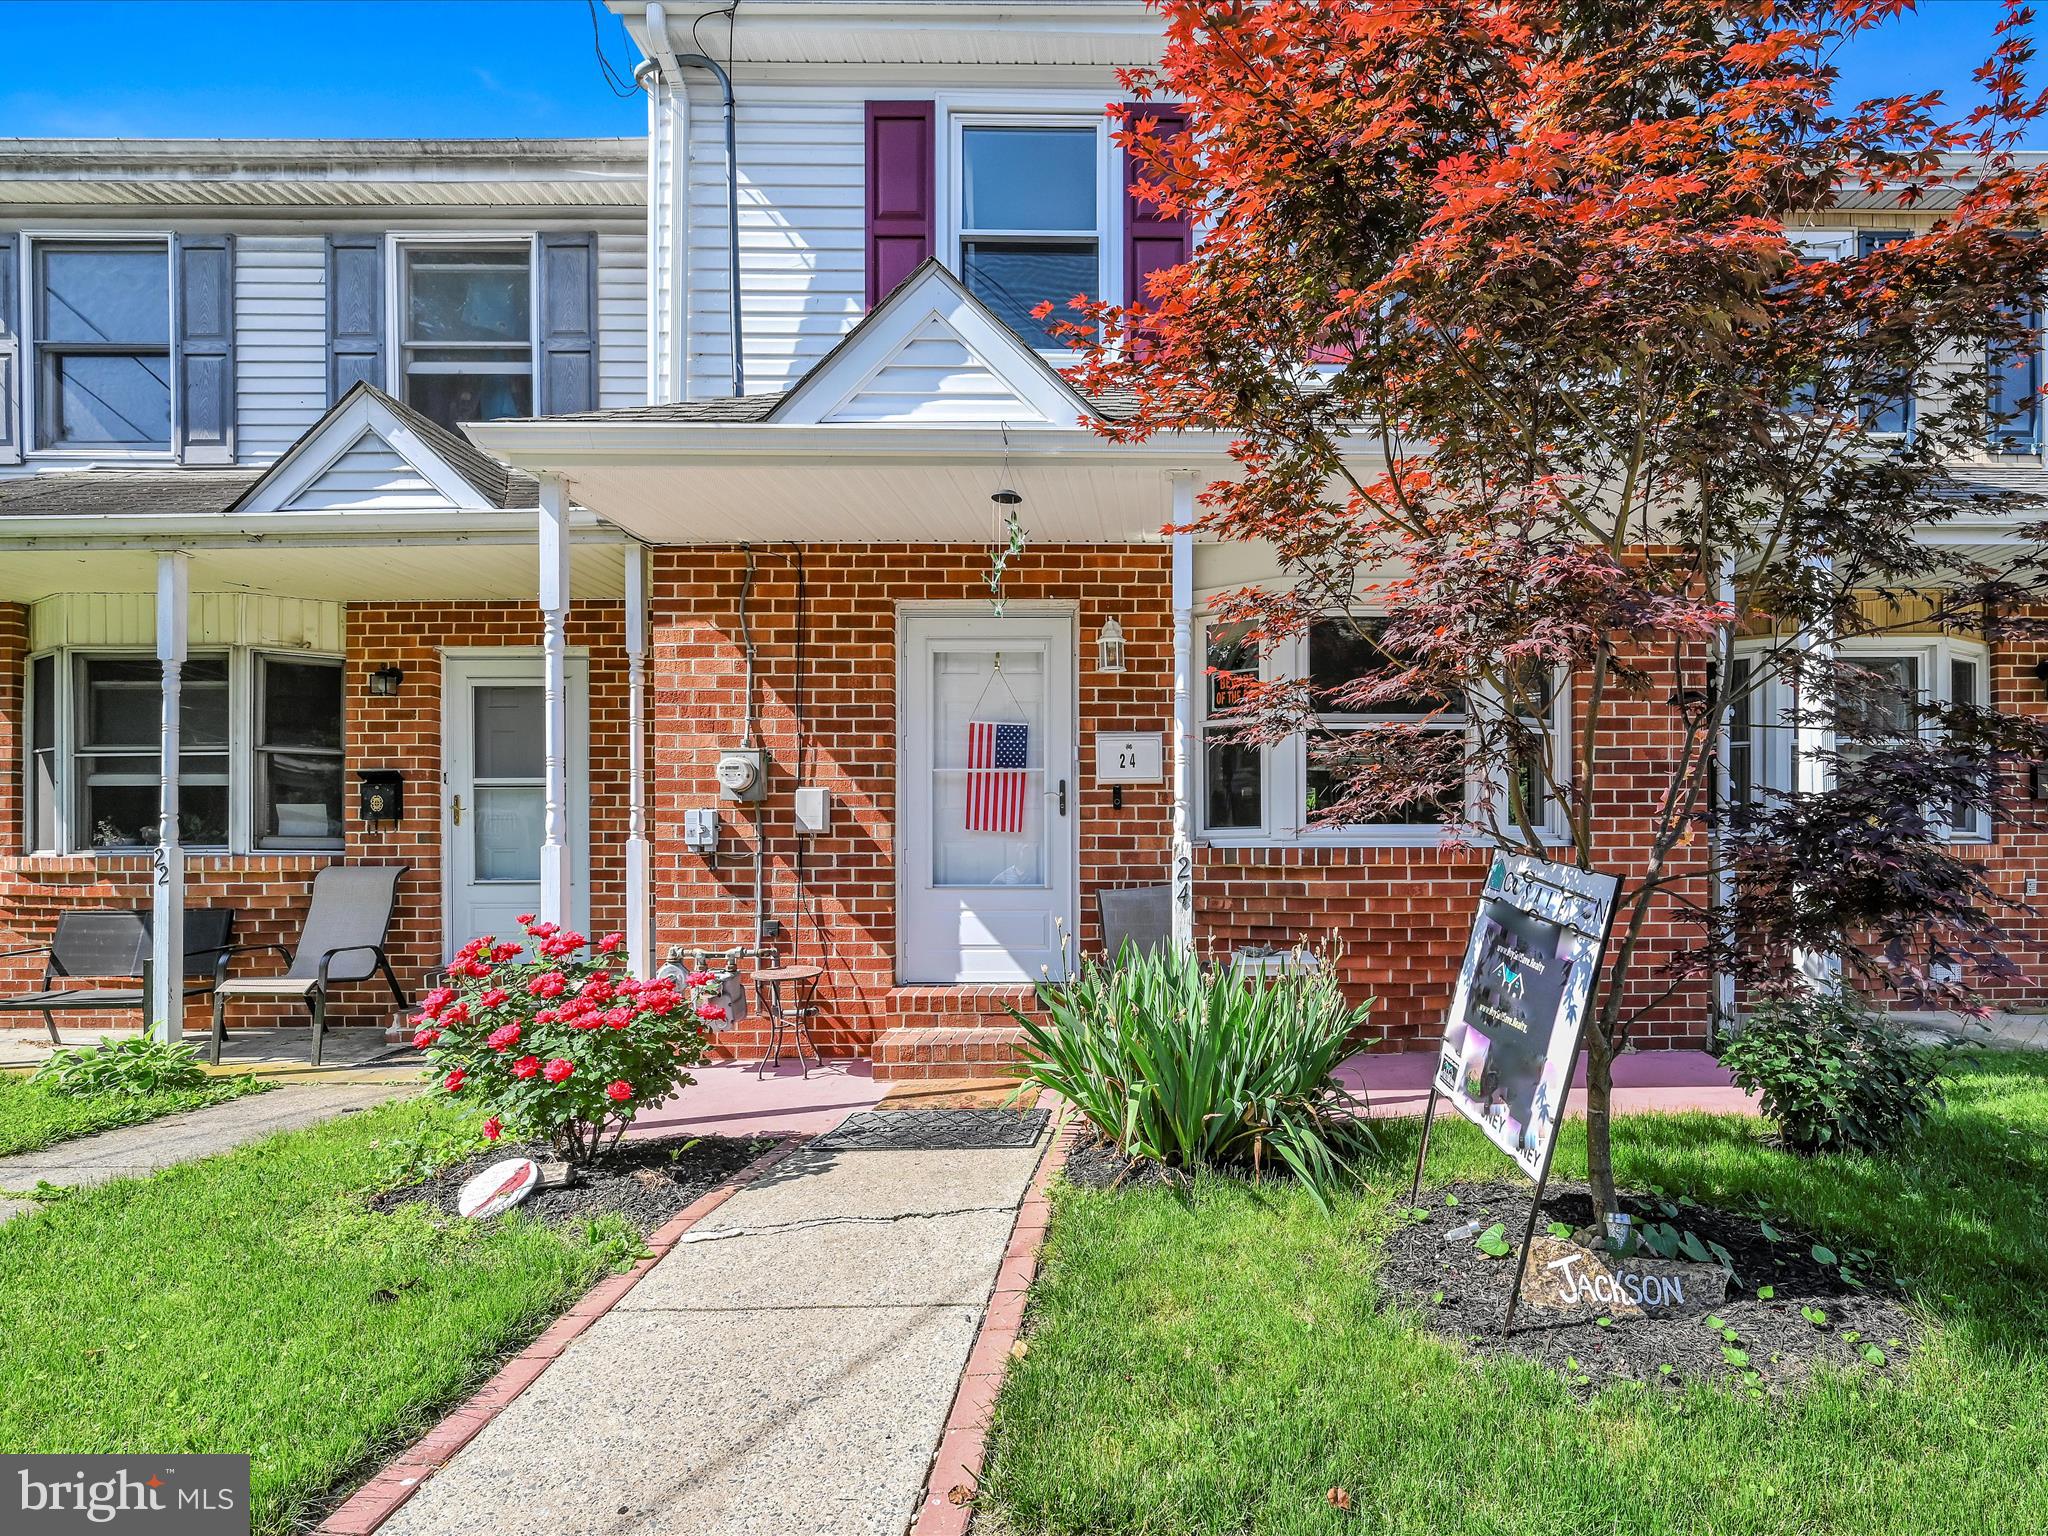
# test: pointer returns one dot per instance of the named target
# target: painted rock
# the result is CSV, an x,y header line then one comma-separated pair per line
x,y
1566,1277
499,1187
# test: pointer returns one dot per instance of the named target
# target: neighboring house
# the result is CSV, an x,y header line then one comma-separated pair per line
x,y
763,695
202,344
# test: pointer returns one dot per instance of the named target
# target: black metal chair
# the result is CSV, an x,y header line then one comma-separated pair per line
x,y
342,939
111,944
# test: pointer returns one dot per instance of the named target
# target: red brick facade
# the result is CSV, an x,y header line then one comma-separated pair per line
x,y
269,891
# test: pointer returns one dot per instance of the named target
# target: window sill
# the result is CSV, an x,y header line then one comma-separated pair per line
x,y
1386,837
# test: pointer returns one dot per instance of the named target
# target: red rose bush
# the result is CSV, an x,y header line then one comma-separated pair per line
x,y
550,1043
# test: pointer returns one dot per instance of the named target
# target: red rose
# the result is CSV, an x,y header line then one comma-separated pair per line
x,y
710,1012
558,1070
700,978
618,1018
526,1066
549,984
610,942
425,1038
456,1015
505,951
618,1091
496,997
454,1080
493,1129
436,1000
503,1039
524,919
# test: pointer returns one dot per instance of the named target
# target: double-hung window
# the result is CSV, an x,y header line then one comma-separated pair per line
x,y
1030,216
102,329
259,762
1283,792
466,329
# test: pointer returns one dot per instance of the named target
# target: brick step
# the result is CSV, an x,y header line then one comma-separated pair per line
x,y
922,1052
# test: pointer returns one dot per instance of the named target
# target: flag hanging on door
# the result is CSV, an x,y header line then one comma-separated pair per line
x,y
995,775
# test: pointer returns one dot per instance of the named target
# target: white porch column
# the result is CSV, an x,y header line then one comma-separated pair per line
x,y
556,857
639,864
167,890
1813,744
1183,575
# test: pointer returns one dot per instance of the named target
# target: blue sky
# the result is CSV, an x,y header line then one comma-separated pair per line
x,y
400,68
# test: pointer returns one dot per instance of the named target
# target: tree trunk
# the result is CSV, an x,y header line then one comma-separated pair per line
x,y
1599,1121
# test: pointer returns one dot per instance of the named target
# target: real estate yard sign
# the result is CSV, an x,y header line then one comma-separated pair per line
x,y
1512,1040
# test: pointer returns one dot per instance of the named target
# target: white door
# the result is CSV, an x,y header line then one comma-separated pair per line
x,y
493,802
988,795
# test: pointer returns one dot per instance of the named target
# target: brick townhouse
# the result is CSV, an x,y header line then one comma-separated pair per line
x,y
635,503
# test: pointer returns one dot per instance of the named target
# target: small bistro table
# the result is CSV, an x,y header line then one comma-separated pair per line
x,y
788,995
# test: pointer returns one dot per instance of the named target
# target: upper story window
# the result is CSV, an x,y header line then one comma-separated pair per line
x,y
102,319
466,330
1030,217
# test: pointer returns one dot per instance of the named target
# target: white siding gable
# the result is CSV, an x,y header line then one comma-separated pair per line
x,y
369,476
935,376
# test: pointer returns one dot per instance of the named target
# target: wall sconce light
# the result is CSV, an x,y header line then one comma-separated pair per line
x,y
384,682
1109,647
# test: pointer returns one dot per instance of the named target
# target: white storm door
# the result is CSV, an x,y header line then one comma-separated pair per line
x,y
988,797
493,803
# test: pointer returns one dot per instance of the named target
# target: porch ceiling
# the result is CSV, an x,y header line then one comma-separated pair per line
x,y
396,572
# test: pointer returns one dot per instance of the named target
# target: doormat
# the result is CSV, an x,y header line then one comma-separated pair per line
x,y
936,1130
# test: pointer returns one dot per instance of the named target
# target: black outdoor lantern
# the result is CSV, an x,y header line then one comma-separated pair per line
x,y
384,682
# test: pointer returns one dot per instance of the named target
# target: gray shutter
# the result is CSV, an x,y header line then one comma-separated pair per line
x,y
10,349
568,324
204,365
355,313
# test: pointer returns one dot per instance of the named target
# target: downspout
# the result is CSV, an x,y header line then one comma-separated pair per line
x,y
672,64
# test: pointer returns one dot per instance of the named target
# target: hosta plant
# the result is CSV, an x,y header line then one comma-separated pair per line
x,y
138,1065
1190,1061
554,1044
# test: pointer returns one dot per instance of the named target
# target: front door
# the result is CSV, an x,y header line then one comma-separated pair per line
x,y
988,797
493,802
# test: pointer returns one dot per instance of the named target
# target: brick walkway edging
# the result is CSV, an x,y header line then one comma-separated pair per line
x,y
378,1499
955,1476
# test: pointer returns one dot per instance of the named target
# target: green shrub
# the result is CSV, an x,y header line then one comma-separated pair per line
x,y
139,1065
1189,1062
1836,1076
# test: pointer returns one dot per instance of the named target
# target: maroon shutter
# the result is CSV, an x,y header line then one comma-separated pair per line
x,y
901,192
1151,241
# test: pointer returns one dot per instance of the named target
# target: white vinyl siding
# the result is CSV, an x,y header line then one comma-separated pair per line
x,y
369,477
280,342
621,319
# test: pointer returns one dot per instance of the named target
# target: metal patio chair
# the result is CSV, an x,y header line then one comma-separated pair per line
x,y
342,939
113,944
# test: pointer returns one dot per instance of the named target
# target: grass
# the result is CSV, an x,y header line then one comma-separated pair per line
x,y
251,1302
33,1117
1219,1364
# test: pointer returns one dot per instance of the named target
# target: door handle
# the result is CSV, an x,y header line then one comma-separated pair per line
x,y
455,810
1063,797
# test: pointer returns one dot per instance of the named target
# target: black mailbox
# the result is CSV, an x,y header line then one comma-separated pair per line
x,y
383,795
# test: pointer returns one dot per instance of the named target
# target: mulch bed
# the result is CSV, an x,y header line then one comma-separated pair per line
x,y
1459,1292
647,1182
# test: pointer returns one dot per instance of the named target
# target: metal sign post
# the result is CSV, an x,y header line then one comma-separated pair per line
x,y
1538,943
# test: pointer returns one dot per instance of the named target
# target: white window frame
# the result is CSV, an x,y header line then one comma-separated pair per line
x,y
241,750
29,280
960,113
1771,750
1283,782
398,243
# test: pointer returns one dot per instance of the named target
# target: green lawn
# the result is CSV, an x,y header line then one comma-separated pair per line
x,y
1219,1366
33,1117
251,1302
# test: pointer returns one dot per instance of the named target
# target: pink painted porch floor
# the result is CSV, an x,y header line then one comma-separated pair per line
x,y
727,1100
1645,1082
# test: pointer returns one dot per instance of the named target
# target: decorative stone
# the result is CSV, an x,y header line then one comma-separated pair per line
x,y
499,1187
1567,1277
556,1174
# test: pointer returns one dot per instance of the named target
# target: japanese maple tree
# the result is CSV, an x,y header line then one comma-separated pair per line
x,y
1506,307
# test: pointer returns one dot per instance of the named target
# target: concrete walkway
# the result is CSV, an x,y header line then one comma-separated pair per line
x,y
786,1370
137,1150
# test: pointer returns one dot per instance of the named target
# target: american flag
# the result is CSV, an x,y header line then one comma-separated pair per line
x,y
995,775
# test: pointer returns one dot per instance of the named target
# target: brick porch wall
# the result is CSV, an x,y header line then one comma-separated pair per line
x,y
269,891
